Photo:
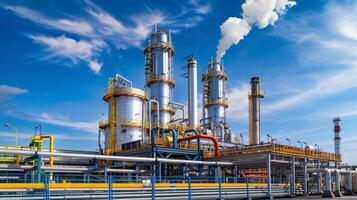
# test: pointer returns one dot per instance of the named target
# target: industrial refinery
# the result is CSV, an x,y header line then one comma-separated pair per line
x,y
153,151
156,100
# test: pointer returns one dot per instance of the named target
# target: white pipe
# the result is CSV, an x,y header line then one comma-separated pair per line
x,y
151,101
114,158
327,173
221,126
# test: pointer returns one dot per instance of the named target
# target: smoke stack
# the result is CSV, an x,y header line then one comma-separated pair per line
x,y
337,130
254,111
192,92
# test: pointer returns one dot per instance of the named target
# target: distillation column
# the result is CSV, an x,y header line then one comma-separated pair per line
x,y
214,99
192,92
254,111
158,70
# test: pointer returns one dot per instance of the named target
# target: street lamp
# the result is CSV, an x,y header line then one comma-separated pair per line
x,y
17,132
300,142
305,143
268,136
287,139
318,147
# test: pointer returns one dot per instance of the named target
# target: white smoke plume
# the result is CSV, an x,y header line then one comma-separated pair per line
x,y
260,13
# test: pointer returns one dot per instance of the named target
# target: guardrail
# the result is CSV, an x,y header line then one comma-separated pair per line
x,y
278,149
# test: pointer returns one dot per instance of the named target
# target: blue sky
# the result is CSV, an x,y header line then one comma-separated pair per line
x,y
56,57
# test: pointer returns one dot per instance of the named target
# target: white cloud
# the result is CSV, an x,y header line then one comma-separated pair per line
x,y
238,98
98,28
95,66
68,25
72,49
6,91
57,120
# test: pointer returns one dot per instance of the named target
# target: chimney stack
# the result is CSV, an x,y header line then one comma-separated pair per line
x,y
254,111
337,138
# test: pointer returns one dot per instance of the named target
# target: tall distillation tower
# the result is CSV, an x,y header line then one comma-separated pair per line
x,y
337,138
214,100
158,71
254,111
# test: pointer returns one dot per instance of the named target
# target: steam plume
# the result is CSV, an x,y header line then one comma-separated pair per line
x,y
260,13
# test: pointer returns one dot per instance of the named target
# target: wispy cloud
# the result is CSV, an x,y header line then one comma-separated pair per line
x,y
65,47
68,25
98,27
6,91
57,120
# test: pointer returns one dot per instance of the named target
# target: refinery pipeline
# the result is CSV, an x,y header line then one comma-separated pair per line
x,y
148,149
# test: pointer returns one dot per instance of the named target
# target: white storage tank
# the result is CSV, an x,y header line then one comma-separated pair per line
x,y
126,118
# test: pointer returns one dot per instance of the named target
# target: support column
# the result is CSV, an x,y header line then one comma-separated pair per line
x,y
160,172
292,180
137,169
39,168
319,178
235,173
269,176
306,193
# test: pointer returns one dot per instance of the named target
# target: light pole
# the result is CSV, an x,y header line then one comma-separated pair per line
x,y
318,147
300,142
287,139
17,132
305,143
268,136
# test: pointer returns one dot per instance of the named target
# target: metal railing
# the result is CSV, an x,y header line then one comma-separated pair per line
x,y
26,186
278,149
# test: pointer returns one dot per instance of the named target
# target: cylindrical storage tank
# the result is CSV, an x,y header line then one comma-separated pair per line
x,y
192,92
130,119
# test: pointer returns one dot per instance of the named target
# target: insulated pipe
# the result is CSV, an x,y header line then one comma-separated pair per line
x,y
221,126
151,101
174,136
114,158
328,182
209,137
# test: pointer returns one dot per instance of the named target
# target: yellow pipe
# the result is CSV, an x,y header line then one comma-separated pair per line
x,y
52,144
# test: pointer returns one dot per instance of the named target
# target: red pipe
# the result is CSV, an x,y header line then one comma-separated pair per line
x,y
208,137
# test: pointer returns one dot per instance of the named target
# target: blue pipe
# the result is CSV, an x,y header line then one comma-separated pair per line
x,y
153,136
174,136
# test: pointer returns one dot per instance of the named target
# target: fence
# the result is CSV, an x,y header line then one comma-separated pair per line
x,y
107,186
